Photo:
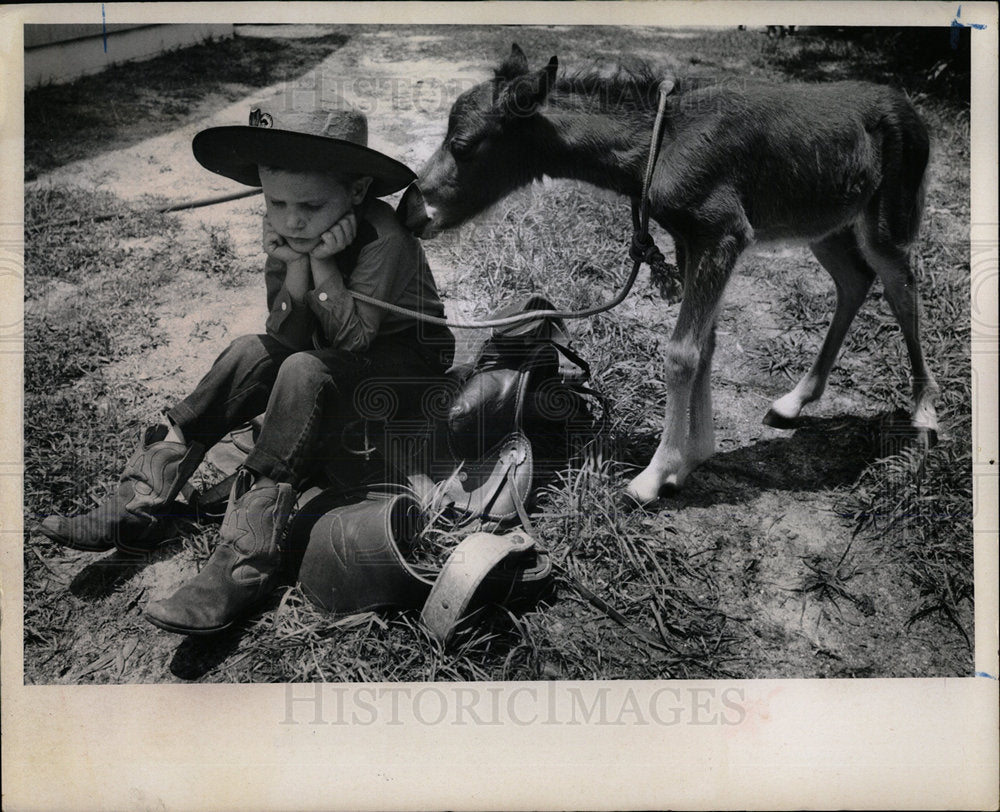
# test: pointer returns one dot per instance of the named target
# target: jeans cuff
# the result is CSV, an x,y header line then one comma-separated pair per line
x,y
180,415
271,466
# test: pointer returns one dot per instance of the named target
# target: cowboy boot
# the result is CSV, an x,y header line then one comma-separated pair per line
x,y
242,570
130,519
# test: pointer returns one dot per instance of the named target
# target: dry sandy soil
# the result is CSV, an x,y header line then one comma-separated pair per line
x,y
765,503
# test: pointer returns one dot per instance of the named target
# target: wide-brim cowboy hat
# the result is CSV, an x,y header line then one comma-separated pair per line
x,y
327,139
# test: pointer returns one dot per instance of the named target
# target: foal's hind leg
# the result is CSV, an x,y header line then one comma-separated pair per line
x,y
892,264
840,255
687,438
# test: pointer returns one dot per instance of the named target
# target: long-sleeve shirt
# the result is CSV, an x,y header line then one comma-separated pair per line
x,y
385,262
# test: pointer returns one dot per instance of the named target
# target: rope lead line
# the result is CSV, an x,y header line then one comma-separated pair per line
x,y
184,205
530,315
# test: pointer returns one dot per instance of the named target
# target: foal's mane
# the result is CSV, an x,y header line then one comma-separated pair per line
x,y
632,86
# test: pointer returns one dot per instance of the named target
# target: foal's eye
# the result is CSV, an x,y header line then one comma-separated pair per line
x,y
461,149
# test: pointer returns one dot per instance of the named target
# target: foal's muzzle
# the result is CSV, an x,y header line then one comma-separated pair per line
x,y
416,215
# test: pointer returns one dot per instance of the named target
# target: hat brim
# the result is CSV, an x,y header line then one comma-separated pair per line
x,y
236,152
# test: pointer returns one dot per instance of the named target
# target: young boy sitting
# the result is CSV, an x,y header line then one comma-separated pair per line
x,y
325,234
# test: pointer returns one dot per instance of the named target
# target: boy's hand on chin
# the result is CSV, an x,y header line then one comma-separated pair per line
x,y
276,246
336,238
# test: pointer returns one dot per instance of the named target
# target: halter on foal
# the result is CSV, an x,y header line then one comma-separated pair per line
x,y
840,166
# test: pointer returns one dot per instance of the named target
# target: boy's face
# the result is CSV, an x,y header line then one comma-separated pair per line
x,y
302,205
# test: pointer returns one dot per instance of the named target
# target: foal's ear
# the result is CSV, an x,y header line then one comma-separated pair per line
x,y
523,96
516,64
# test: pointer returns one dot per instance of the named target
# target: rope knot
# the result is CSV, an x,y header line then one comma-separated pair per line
x,y
642,248
664,275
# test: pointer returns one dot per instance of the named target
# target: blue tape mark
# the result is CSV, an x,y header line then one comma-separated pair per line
x,y
984,674
956,24
104,27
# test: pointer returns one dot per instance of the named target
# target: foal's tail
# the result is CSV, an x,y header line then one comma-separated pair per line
x,y
905,150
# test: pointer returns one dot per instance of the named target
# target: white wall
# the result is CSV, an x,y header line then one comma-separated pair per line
x,y
61,53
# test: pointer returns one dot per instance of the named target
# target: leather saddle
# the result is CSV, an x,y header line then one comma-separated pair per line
x,y
357,557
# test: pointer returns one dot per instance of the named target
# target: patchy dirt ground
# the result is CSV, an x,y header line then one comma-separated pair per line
x,y
764,507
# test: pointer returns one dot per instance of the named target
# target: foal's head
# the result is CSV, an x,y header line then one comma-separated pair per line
x,y
486,153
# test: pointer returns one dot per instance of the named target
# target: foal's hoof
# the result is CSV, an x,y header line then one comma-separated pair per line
x,y
632,499
642,490
779,421
628,501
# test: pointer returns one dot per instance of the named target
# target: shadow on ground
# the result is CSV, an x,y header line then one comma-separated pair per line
x,y
197,656
819,454
100,578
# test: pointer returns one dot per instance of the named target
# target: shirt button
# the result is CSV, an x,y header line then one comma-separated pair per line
x,y
284,305
323,297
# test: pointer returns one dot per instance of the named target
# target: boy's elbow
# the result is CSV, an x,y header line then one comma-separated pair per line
x,y
357,338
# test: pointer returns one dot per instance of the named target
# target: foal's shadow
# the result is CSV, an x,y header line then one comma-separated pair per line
x,y
819,453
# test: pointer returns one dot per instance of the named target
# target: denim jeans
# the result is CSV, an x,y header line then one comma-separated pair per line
x,y
308,398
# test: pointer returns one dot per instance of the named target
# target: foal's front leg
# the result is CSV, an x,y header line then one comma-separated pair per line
x,y
688,431
701,422
670,462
